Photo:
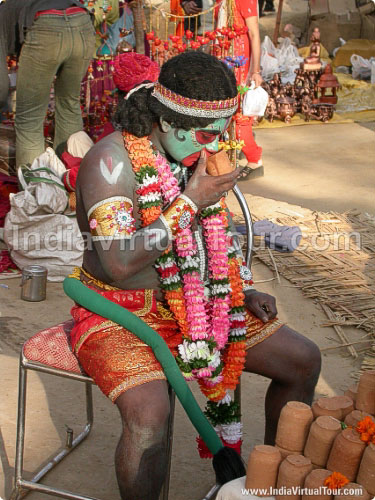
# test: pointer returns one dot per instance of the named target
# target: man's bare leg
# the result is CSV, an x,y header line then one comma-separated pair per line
x,y
141,452
293,363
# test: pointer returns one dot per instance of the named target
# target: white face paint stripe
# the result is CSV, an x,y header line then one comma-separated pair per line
x,y
111,177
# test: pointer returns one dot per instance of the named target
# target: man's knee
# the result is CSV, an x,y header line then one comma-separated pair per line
x,y
307,361
145,413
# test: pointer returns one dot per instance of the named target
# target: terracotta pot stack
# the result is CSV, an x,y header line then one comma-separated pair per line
x,y
365,399
315,482
351,392
310,445
352,419
336,406
262,468
345,493
323,432
292,473
366,473
346,454
293,428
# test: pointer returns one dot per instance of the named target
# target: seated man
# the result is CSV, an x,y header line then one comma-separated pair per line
x,y
157,250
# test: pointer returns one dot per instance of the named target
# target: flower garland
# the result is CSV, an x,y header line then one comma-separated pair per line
x,y
335,481
366,430
213,330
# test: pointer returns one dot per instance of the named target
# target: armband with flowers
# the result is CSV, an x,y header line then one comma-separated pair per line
x,y
112,219
234,251
179,215
247,277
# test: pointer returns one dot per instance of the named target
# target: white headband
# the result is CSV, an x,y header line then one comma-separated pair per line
x,y
146,85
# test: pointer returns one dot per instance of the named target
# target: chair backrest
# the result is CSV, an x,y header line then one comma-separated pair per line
x,y
248,223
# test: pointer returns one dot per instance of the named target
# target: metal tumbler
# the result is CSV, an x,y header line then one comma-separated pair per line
x,y
34,283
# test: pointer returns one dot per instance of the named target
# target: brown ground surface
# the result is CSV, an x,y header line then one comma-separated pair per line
x,y
328,167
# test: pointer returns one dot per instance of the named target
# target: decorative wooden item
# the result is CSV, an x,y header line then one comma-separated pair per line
x,y
313,62
327,82
285,107
322,112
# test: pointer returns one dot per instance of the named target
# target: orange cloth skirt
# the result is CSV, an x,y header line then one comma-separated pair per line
x,y
115,358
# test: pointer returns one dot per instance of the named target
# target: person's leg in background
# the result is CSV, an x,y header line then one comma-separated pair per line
x,y
79,41
38,63
269,7
4,82
260,7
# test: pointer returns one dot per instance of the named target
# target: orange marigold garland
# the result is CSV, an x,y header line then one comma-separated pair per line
x,y
199,354
366,430
336,481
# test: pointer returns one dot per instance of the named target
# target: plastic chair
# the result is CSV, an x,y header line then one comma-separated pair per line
x,y
49,352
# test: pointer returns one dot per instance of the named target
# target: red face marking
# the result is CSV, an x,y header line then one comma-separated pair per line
x,y
205,136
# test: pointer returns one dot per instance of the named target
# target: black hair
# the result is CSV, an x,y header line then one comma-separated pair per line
x,y
191,74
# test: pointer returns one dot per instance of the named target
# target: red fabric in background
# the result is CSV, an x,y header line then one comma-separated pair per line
x,y
8,184
5,261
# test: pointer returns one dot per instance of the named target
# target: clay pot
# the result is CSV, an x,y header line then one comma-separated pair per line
x,y
262,468
355,416
336,406
285,453
327,406
314,481
293,426
346,405
351,392
366,473
292,472
323,432
366,392
219,164
346,454
345,495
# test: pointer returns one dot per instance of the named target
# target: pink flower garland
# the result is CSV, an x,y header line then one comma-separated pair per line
x,y
168,182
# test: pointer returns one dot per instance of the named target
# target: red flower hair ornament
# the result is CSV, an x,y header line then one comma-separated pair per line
x,y
131,69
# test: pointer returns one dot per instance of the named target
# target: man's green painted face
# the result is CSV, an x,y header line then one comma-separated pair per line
x,y
185,146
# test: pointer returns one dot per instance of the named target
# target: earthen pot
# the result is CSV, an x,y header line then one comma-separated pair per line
x,y
219,163
323,432
293,426
356,416
351,392
262,468
346,405
346,495
366,392
285,453
292,472
346,454
366,473
327,406
314,481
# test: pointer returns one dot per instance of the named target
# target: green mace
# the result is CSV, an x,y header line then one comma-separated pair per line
x,y
227,462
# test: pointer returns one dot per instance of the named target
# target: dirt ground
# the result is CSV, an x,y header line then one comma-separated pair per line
x,y
327,167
